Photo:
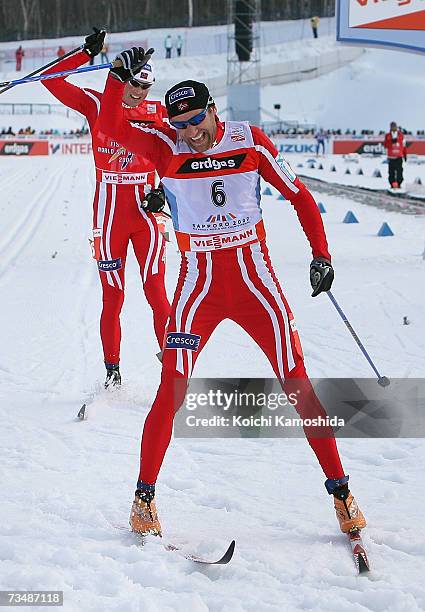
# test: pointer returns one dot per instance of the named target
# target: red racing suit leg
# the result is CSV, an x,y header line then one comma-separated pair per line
x,y
117,220
238,284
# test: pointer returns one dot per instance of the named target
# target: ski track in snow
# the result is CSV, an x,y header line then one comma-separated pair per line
x,y
66,484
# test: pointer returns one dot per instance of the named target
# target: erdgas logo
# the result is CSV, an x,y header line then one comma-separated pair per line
x,y
207,164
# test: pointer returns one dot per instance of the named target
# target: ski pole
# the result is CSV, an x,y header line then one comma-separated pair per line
x,y
55,61
382,380
53,75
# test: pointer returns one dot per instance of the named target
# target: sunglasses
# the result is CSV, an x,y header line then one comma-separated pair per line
x,y
196,120
135,83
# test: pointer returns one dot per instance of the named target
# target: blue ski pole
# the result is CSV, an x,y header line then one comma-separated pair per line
x,y
53,75
52,63
382,380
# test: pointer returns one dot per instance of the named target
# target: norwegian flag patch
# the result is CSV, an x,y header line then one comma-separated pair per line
x,y
182,106
237,133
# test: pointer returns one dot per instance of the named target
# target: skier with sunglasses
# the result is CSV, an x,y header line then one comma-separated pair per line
x,y
125,201
211,173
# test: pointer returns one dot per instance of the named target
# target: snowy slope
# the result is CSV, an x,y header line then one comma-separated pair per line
x,y
379,87
66,484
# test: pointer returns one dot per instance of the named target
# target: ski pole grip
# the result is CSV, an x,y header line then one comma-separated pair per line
x,y
117,63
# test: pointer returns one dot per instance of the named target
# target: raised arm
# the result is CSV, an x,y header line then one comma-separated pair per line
x,y
276,171
156,143
81,100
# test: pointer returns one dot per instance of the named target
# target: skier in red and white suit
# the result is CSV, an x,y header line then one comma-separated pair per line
x,y
123,182
211,173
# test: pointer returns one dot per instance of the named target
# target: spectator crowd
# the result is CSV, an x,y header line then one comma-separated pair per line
x,y
29,131
312,131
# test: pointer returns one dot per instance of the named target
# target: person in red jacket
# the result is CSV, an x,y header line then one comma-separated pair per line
x,y
124,196
396,152
211,173
19,54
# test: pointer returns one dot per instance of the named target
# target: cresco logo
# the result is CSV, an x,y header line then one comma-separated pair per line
x,y
206,164
180,340
16,148
109,265
183,92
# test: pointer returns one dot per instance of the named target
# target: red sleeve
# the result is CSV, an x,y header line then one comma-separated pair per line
x,y
387,141
155,143
76,98
276,171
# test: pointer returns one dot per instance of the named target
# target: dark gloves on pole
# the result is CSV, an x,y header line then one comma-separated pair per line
x,y
94,42
154,201
321,275
131,62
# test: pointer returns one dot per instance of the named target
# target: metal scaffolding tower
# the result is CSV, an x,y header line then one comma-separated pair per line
x,y
244,60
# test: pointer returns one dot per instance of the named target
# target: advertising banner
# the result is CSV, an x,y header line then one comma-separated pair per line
x,y
374,147
70,147
295,145
24,147
392,23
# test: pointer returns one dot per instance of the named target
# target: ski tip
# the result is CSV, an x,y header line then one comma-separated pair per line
x,y
82,413
227,555
363,565
226,558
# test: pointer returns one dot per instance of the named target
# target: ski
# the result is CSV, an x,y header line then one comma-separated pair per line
x,y
85,408
360,557
82,413
224,560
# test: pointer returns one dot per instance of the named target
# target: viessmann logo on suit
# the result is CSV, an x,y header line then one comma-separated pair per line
x,y
211,164
128,178
222,241
109,265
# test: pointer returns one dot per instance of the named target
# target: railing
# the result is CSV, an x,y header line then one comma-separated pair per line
x,y
24,108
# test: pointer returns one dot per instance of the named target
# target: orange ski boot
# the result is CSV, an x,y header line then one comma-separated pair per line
x,y
143,516
349,515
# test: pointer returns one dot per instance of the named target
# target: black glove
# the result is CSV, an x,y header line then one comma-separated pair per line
x,y
321,275
94,42
154,201
405,158
133,61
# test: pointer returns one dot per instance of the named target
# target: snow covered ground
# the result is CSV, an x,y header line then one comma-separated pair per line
x,y
308,165
67,484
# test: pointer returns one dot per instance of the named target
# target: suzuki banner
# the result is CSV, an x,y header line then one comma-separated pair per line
x,y
296,145
393,23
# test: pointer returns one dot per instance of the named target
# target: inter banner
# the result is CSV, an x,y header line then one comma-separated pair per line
x,y
394,23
